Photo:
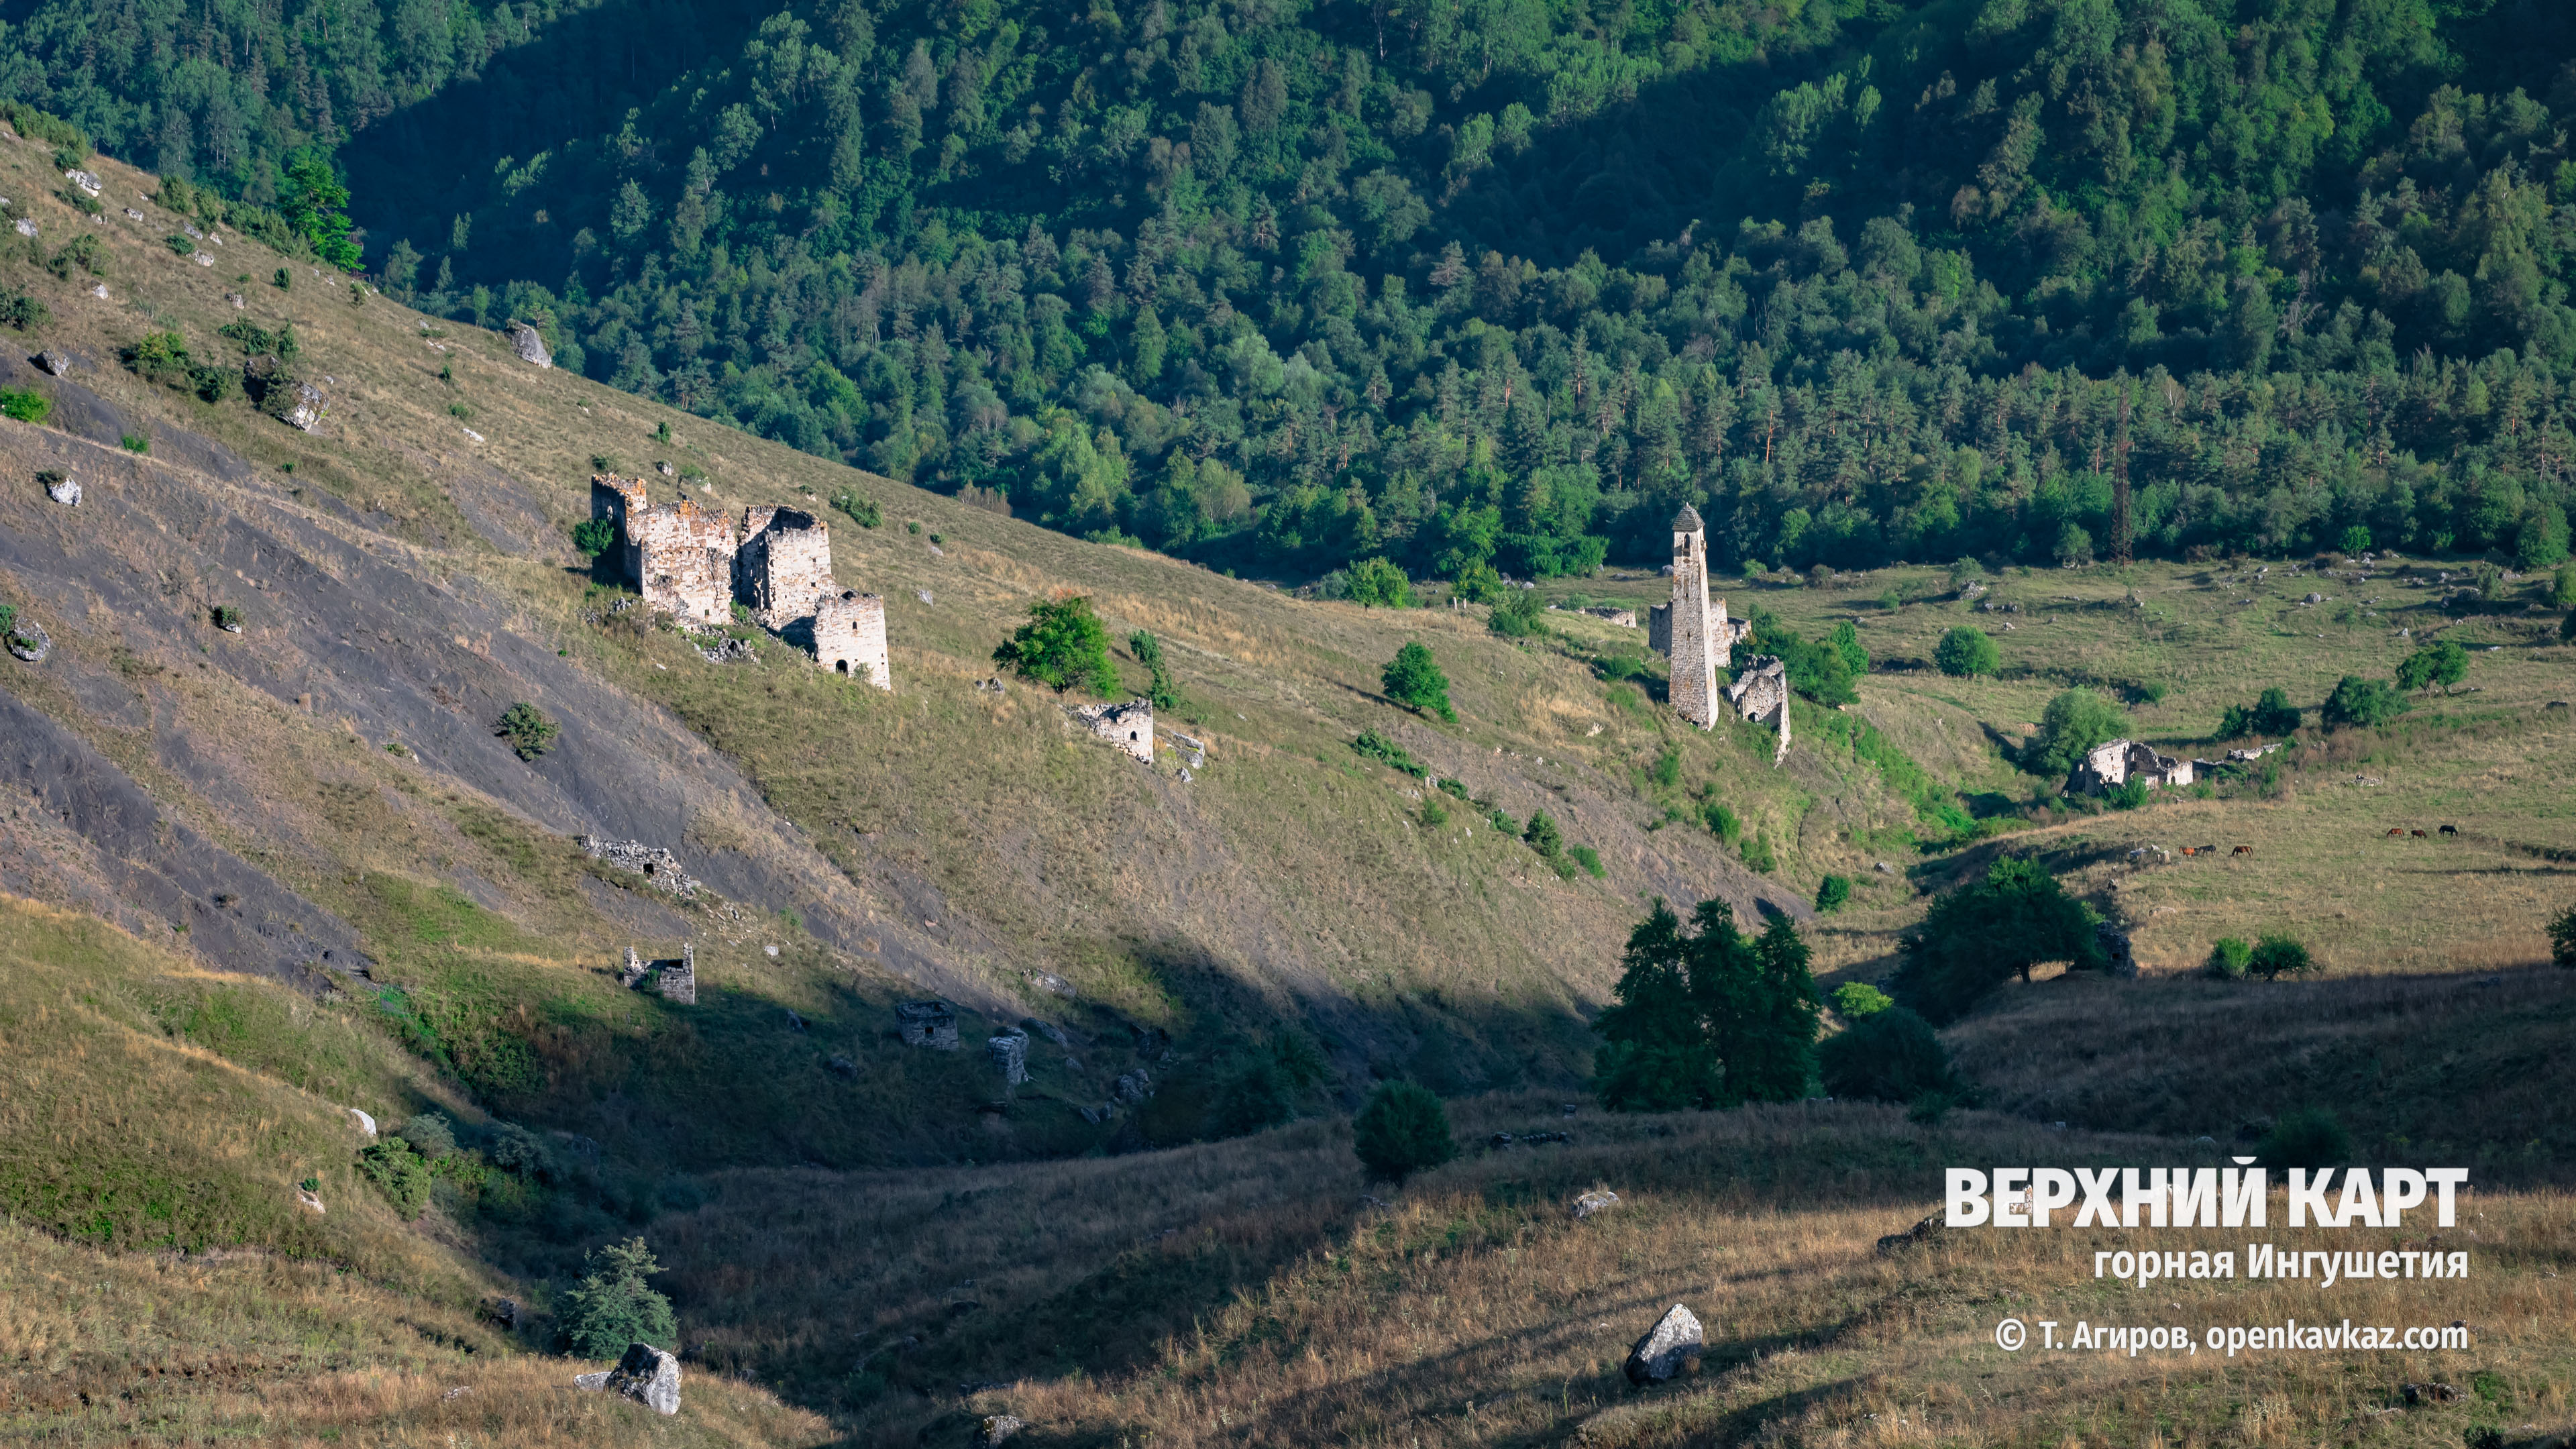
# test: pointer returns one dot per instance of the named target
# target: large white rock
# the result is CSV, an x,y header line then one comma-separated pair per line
x,y
530,347
647,1375
1672,1346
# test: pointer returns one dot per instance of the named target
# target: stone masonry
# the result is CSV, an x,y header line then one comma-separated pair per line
x,y
2120,761
850,637
1694,672
784,566
931,1024
678,555
1129,726
1761,694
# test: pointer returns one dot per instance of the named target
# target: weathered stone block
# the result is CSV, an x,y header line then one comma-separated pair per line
x,y
1671,1347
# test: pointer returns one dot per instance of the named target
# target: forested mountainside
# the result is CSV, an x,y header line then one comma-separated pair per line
x,y
1281,286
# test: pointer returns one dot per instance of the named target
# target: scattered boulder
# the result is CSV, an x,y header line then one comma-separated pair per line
x,y
1135,1086
925,596
988,686
996,1428
132,215
1047,1029
366,1123
1049,981
305,1199
530,347
665,469
1599,1200
647,1375
503,1311
1671,1347
52,363
237,299
2415,1394
66,491
841,1066
1922,1232
2314,599
26,227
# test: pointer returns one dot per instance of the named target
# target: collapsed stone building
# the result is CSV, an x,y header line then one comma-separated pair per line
x,y
931,1024
695,563
1761,694
1693,630
2119,761
1129,726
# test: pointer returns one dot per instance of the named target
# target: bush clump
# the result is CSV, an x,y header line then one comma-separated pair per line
x,y
2229,958
2562,938
1967,651
614,1306
25,404
1890,1055
2359,703
1832,893
1063,644
1400,1131
1413,679
527,729
1856,999
2309,1138
1390,754
2276,956
398,1173
593,536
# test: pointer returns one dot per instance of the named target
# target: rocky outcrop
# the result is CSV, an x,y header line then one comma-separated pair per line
x,y
530,347
647,1375
65,491
1671,1347
1010,1052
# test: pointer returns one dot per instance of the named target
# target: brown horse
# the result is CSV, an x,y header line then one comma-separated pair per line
x,y
2242,850
2420,835
2395,833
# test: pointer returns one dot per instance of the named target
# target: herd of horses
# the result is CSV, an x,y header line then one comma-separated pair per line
x,y
2395,833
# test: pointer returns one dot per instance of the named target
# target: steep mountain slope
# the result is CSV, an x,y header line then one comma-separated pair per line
x,y
411,576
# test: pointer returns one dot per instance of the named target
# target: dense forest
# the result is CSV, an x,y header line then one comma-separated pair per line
x,y
1281,285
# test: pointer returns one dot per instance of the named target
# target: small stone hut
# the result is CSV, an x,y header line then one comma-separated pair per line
x,y
1129,726
1761,694
2119,761
931,1024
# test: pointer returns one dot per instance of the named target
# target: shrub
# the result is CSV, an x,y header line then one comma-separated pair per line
x,y
2562,585
25,404
2271,714
1413,679
2445,663
593,536
1845,641
1457,788
1758,856
1967,651
1433,815
398,1173
1148,650
1856,999
2127,795
2562,938
1721,821
1377,583
2276,956
1982,933
430,1134
284,280
2359,703
178,242
1062,645
135,443
2229,957
614,1306
1387,752
1400,1131
1832,893
2356,539
1706,1018
1542,835
527,729
1518,614
2309,1138
21,311
2074,722
862,511
1588,858
1887,1056
227,617
1668,767
1255,1098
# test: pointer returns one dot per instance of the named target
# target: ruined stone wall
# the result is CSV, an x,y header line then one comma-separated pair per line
x,y
1129,726
1694,656
684,560
850,637
615,500
1761,694
785,565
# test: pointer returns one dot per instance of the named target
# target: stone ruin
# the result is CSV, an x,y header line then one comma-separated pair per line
x,y
1129,726
850,637
1010,1052
694,563
784,565
2120,761
674,981
1761,694
931,1024
1693,630
650,861
530,347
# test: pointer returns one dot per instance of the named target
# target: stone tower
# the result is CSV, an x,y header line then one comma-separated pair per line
x,y
1694,633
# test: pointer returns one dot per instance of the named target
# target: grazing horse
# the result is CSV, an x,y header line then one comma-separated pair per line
x,y
2394,833
2242,850
2450,830
2420,835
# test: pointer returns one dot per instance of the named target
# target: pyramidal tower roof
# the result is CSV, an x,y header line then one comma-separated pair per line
x,y
1687,521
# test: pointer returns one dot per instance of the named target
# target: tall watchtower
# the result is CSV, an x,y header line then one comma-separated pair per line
x,y
1694,633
